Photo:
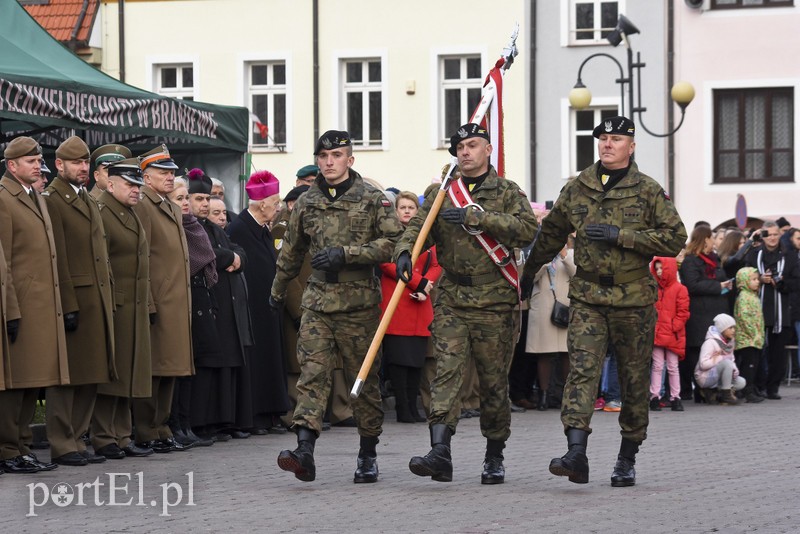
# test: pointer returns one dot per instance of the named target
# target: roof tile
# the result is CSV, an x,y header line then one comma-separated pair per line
x,y
60,16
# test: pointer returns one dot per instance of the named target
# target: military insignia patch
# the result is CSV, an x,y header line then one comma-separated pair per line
x,y
666,195
608,126
523,193
326,143
386,203
278,244
462,133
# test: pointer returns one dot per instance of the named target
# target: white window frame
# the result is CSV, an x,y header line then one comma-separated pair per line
x,y
153,64
568,22
243,90
338,109
569,131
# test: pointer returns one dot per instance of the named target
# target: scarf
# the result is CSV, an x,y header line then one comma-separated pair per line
x,y
712,264
726,347
778,308
201,255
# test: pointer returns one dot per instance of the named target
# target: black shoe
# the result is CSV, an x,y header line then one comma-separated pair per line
x,y
180,436
198,441
22,464
134,450
542,402
277,429
655,404
366,469
624,474
73,459
574,464
677,405
180,447
222,436
438,463
160,446
773,396
43,466
326,425
92,458
753,398
493,470
111,451
259,431
301,460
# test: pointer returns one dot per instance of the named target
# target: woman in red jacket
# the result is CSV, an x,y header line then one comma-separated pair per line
x,y
670,341
406,342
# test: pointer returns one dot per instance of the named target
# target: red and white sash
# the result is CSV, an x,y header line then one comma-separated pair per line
x,y
500,255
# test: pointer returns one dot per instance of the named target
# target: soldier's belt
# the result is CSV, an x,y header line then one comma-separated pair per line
x,y
477,280
613,279
343,276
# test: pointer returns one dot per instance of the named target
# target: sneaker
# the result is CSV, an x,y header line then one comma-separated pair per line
x,y
613,406
655,404
677,405
599,404
664,402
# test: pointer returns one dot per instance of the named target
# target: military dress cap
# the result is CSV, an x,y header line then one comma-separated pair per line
x,y
45,168
615,126
262,184
20,147
159,158
465,132
72,149
308,170
332,139
127,169
295,193
108,154
198,182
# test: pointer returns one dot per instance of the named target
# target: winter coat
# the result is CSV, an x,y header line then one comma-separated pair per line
x,y
747,312
775,299
543,337
714,349
706,299
412,317
672,307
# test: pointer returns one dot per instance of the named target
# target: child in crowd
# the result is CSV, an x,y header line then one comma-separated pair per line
x,y
749,329
716,367
670,340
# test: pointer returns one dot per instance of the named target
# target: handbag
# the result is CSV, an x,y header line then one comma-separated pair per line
x,y
560,314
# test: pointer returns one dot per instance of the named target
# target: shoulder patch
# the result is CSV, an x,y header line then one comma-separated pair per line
x,y
522,193
386,203
665,194
45,193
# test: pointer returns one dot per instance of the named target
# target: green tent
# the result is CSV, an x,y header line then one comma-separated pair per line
x,y
49,93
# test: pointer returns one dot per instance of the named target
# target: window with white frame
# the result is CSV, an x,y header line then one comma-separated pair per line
x,y
175,80
584,145
590,21
266,87
362,101
460,82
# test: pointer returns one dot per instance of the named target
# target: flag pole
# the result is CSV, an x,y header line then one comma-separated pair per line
x,y
488,94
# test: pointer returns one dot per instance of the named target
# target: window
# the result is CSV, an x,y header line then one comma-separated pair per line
x,y
739,4
266,86
460,82
584,145
176,81
362,101
753,139
590,21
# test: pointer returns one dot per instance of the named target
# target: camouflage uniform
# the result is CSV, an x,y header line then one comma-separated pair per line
x,y
612,294
339,317
475,320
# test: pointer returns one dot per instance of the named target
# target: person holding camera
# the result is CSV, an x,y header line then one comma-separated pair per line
x,y
778,274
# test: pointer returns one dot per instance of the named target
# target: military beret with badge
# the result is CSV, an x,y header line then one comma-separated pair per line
x,y
308,170
615,126
465,132
332,139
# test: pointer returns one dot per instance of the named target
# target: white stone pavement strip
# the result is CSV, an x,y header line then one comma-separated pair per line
x,y
708,469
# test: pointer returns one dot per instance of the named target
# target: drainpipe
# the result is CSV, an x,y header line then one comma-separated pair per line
x,y
532,124
121,9
315,46
73,43
670,105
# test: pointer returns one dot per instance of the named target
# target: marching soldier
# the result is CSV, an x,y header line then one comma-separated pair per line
x,y
348,227
37,354
86,300
622,219
477,294
101,158
128,253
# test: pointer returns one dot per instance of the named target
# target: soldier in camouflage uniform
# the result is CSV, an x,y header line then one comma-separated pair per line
x,y
474,308
622,218
348,227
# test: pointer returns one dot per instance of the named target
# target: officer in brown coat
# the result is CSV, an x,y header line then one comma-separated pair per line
x,y
170,312
128,252
38,350
86,300
102,157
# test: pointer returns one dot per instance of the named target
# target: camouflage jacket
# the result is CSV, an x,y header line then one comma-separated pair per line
x,y
362,221
507,217
649,226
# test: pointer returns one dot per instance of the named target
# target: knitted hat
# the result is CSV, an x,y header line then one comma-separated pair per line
x,y
723,321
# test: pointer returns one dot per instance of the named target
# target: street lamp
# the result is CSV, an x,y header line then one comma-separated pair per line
x,y
682,93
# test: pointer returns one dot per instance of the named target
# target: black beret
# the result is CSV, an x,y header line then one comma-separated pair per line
x,y
295,193
465,132
332,139
615,126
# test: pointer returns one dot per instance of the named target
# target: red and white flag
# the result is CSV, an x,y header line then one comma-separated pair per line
x,y
493,117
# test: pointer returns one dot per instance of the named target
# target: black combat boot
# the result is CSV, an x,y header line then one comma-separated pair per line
x,y
367,461
301,460
493,470
437,464
624,474
574,464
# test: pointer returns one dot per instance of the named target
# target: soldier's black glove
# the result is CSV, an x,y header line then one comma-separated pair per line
x,y
603,232
12,329
276,305
526,287
403,267
152,318
71,321
454,215
329,259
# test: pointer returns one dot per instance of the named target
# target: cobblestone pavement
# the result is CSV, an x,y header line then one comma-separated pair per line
x,y
708,469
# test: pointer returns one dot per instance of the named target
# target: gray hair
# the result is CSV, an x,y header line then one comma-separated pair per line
x,y
217,181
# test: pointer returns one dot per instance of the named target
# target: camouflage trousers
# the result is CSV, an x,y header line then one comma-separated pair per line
x,y
631,332
488,338
322,339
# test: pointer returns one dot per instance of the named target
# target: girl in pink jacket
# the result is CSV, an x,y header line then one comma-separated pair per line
x,y
716,367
